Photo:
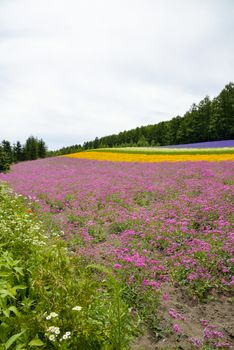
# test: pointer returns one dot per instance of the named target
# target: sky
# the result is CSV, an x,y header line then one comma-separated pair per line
x,y
71,70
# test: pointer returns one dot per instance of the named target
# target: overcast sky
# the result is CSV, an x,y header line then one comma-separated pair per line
x,y
71,70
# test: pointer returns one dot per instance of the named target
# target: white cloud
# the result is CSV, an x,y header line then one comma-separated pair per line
x,y
71,70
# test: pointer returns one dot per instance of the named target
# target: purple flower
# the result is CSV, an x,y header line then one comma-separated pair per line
x,y
165,297
156,220
211,144
117,266
223,345
204,322
196,342
210,333
176,328
173,313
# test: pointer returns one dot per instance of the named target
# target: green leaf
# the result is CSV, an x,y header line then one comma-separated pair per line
x,y
36,342
19,287
6,313
19,270
20,347
14,310
12,339
4,274
4,293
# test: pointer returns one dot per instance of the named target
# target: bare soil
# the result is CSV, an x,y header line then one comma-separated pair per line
x,y
218,312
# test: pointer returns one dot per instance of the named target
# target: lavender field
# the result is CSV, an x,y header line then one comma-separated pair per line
x,y
165,229
209,144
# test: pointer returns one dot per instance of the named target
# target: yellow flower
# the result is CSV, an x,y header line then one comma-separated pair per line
x,y
134,157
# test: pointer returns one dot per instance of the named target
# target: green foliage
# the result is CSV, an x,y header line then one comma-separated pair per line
x,y
18,152
42,149
4,161
33,149
48,294
66,150
6,146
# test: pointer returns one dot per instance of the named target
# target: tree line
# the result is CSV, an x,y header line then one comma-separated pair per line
x,y
66,150
209,120
33,148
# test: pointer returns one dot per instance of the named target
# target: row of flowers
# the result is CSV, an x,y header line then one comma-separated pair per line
x,y
151,158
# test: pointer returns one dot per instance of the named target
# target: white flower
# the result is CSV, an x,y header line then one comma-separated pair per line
x,y
67,335
77,308
54,330
52,337
57,330
51,315
51,329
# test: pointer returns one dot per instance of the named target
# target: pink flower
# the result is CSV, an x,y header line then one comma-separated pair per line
x,y
117,266
176,315
223,345
204,322
212,334
145,282
165,297
176,328
172,313
196,342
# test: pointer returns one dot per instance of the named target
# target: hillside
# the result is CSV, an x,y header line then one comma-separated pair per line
x,y
149,247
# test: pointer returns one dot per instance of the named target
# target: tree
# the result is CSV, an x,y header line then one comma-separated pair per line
x,y
6,145
142,142
209,120
42,149
96,143
18,152
4,161
202,120
173,127
226,112
31,148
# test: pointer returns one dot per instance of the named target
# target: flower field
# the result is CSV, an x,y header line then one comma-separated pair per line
x,y
162,223
208,144
119,156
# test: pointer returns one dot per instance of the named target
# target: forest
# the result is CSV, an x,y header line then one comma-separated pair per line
x,y
209,120
33,148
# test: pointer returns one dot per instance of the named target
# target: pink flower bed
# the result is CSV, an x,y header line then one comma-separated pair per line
x,y
151,223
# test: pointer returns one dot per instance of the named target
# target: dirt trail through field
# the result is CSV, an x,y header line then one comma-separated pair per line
x,y
219,313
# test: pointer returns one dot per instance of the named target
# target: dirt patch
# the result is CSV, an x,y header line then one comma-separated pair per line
x,y
187,321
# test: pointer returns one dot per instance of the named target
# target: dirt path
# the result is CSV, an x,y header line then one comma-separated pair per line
x,y
192,320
